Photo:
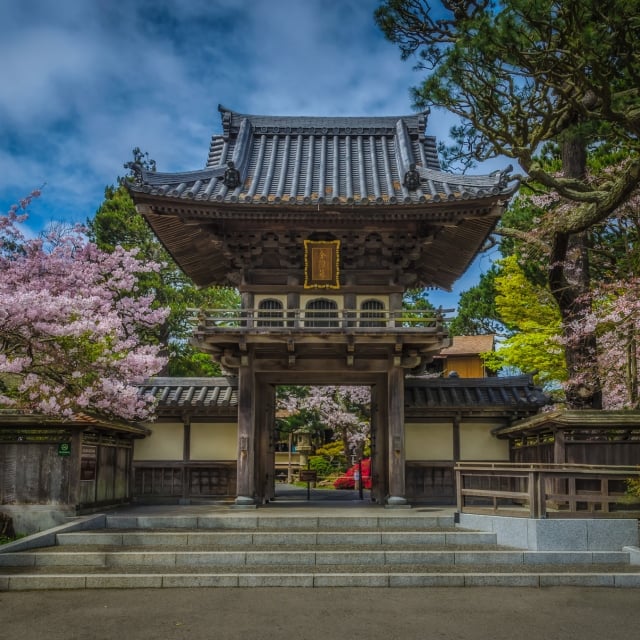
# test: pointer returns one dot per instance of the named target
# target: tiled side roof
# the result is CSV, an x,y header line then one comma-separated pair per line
x,y
511,393
316,160
582,420
82,421
210,396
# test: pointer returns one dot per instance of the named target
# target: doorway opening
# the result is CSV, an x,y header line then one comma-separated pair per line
x,y
323,443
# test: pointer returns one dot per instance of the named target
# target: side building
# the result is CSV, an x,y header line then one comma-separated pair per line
x,y
192,452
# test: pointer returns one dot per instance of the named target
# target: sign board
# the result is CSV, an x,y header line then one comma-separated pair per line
x,y
307,475
88,462
64,449
322,264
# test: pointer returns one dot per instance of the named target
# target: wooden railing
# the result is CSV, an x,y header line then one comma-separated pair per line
x,y
545,490
324,319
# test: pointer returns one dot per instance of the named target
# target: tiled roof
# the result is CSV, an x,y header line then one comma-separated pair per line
x,y
320,160
82,421
469,345
212,396
511,393
582,420
209,396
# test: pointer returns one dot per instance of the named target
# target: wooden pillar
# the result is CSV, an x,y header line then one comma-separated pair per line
x,y
186,456
247,304
395,395
379,420
246,487
456,458
559,447
74,468
265,462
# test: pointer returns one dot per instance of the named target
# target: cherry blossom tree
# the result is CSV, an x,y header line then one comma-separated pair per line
x,y
343,409
72,324
614,316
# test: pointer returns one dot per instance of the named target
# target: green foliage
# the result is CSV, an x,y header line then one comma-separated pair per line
x,y
531,313
6,539
477,313
322,465
633,487
334,454
417,299
187,361
332,450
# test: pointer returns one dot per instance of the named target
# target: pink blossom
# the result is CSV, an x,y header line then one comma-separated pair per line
x,y
70,319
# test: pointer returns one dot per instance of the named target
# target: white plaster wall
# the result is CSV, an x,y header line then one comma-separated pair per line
x,y
477,443
215,441
166,442
428,441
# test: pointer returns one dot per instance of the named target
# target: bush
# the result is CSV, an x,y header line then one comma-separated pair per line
x,y
347,481
321,465
633,487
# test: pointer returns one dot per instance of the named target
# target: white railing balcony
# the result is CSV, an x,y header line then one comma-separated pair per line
x,y
324,320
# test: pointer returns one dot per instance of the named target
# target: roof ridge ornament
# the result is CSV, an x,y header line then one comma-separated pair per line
x,y
412,178
137,173
231,177
503,176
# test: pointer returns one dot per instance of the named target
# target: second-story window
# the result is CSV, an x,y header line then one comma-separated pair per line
x,y
372,313
321,312
270,313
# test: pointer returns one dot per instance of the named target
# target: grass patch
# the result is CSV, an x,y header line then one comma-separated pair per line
x,y
7,539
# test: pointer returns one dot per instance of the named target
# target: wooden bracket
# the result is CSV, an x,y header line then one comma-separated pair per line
x,y
291,348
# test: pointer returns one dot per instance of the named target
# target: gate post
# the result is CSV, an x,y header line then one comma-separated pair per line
x,y
395,402
245,487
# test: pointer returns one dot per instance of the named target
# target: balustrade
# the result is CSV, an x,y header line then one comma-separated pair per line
x,y
544,490
274,320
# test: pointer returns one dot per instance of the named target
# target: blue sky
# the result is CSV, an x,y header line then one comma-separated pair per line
x,y
82,82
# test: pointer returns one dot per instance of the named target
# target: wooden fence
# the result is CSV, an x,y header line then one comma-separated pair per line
x,y
545,490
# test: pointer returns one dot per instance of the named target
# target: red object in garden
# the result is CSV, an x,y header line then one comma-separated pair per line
x,y
347,481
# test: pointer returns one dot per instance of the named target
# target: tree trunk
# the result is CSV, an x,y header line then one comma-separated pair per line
x,y
570,283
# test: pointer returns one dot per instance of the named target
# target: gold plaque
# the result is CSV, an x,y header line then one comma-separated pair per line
x,y
322,264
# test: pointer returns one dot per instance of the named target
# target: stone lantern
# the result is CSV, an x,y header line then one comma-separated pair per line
x,y
303,445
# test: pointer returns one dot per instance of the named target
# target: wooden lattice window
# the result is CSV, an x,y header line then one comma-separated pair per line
x,y
321,312
270,313
372,313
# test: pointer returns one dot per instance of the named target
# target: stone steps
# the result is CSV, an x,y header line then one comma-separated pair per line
x,y
409,560
422,523
274,538
385,550
85,580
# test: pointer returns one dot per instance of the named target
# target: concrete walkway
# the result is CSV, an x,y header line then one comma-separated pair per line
x,y
558,613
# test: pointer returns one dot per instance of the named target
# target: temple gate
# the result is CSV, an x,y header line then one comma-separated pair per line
x,y
322,224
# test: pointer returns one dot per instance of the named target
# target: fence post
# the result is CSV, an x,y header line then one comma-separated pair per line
x,y
534,494
459,490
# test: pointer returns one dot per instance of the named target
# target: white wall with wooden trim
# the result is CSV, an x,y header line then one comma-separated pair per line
x,y
166,442
214,441
477,443
432,441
